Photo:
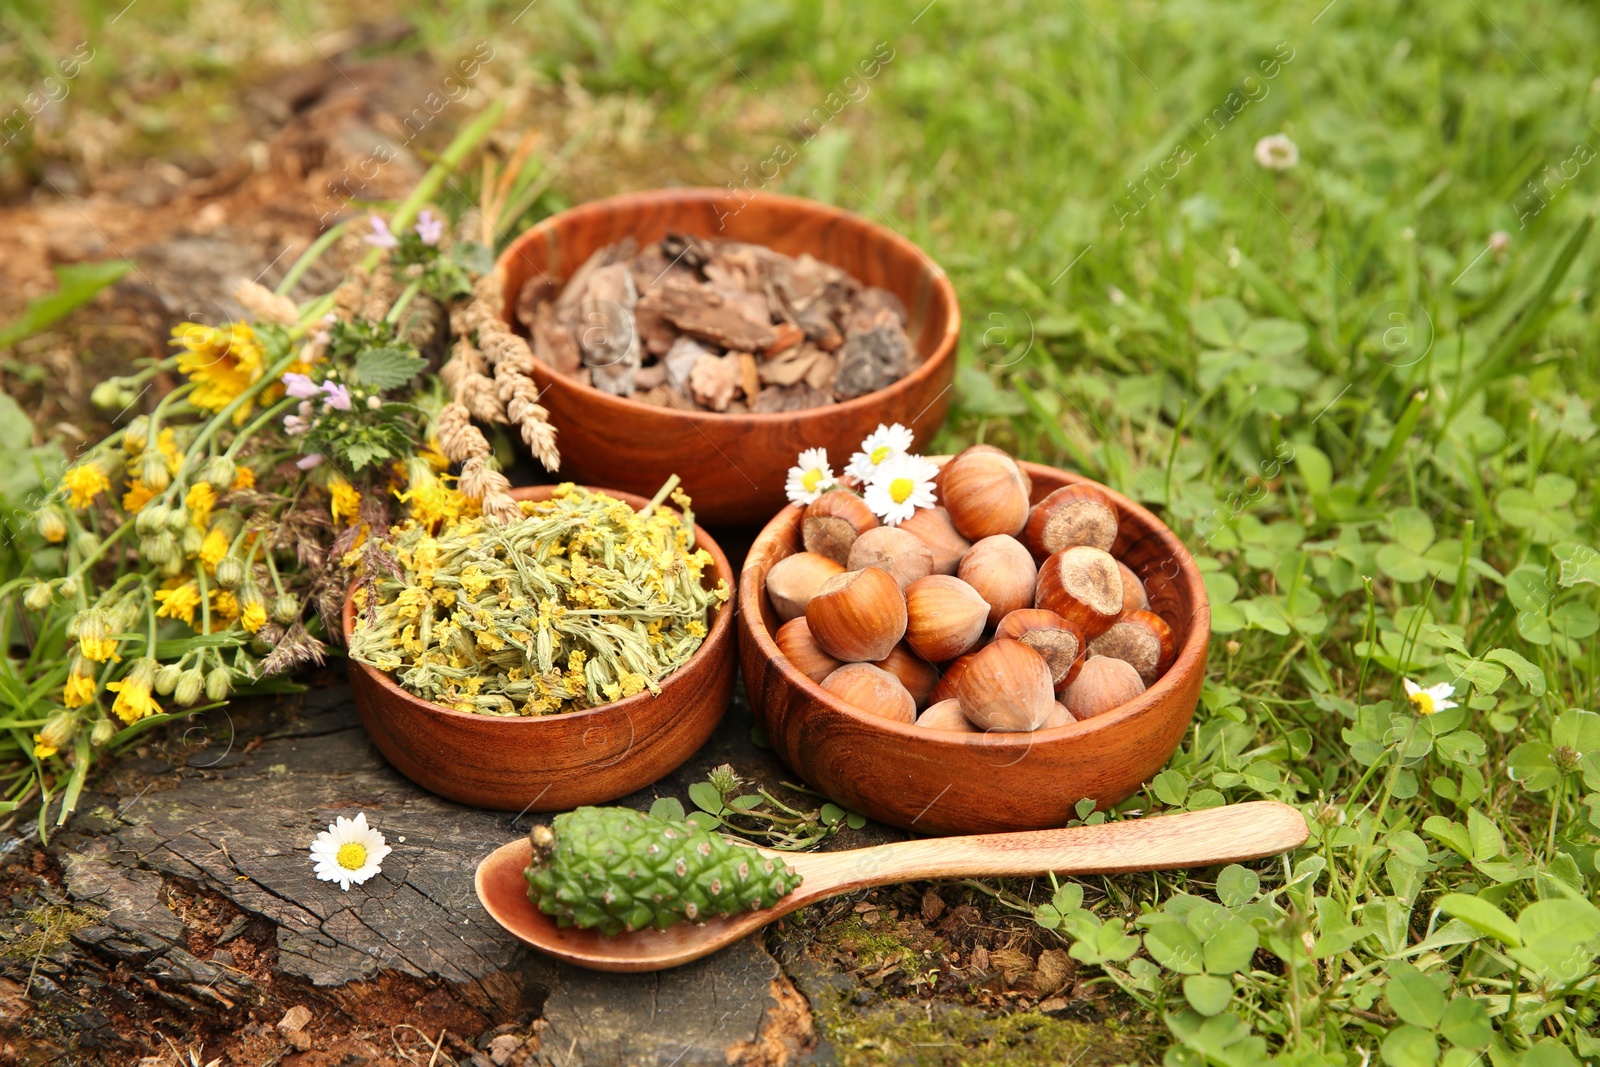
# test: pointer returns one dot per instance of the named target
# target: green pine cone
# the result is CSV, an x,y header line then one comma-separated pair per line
x,y
617,869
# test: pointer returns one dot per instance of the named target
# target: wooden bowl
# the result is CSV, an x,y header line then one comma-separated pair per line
x,y
948,783
733,466
553,762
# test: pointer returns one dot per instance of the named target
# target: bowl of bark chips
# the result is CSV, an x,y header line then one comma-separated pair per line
x,y
717,335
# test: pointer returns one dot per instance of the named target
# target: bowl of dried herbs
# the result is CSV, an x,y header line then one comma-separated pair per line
x,y
566,657
716,333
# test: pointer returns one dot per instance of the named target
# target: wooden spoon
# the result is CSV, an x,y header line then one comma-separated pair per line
x,y
1192,839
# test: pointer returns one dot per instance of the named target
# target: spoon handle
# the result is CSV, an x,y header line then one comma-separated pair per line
x,y
1191,839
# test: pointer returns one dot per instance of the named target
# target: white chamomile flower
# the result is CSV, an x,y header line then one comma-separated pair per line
x,y
899,486
348,851
880,444
1432,699
1277,152
810,477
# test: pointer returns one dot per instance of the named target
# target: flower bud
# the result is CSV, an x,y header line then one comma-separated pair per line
x,y
103,732
219,472
87,542
189,686
158,548
167,678
106,395
151,517
230,572
68,586
174,566
218,683
51,524
153,472
90,624
191,539
286,608
137,435
58,730
178,519
38,597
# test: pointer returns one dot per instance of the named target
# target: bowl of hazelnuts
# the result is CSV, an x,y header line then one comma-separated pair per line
x,y
984,664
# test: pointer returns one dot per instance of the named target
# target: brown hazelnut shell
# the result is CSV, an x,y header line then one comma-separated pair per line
x,y
1006,688
794,640
1142,639
985,492
1003,573
858,616
795,579
890,548
1073,515
833,521
1103,684
932,526
945,617
1051,636
946,715
915,673
872,690
1084,586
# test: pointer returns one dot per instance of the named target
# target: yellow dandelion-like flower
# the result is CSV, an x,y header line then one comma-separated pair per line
x,y
98,649
222,361
133,699
346,502
225,604
243,478
83,483
431,502
78,691
42,750
137,496
253,617
178,603
214,549
200,499
167,445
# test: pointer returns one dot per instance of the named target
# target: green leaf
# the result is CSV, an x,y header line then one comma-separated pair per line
x,y
1237,885
747,802
387,368
1408,1046
1487,841
1174,946
1577,729
1448,833
1549,1053
1315,468
1207,994
1402,564
1170,787
1219,321
1274,338
16,429
1231,946
667,808
1579,563
1527,672
706,797
76,284
1481,916
831,814
1414,997
1532,763
1465,1023
1412,528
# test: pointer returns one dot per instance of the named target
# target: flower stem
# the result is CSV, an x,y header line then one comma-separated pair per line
x,y
311,255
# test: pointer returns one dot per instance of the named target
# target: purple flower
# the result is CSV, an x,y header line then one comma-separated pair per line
x,y
295,425
306,462
338,396
429,228
380,234
299,386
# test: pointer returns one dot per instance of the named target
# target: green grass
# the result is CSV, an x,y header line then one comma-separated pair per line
x,y
1374,431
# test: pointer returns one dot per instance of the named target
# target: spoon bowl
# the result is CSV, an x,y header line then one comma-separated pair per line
x,y
1166,842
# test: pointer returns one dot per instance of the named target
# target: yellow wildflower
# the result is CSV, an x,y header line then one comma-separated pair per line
x,y
225,604
99,649
133,699
346,501
214,549
243,478
200,499
167,445
79,690
83,483
253,617
223,362
432,502
410,602
42,750
473,580
137,496
432,455
178,603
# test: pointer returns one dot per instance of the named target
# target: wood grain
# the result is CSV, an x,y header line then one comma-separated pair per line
x,y
554,762
733,466
1191,839
940,782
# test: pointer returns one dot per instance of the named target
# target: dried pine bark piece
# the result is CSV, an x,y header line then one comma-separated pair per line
x,y
871,361
797,397
606,336
709,315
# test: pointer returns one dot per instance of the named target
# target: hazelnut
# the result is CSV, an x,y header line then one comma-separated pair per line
x,y
949,678
1142,639
858,616
1006,687
1059,717
1049,635
945,617
1103,684
932,526
872,690
794,580
832,523
794,640
1080,514
1003,573
890,548
916,674
946,715
985,493
1084,587
1134,597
